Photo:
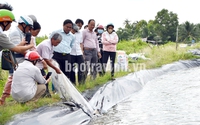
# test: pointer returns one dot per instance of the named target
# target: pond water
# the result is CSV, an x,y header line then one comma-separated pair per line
x,y
170,99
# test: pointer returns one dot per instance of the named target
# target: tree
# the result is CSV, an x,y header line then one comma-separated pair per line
x,y
123,34
126,33
188,31
165,25
151,30
141,29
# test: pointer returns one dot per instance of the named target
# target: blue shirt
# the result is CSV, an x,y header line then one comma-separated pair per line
x,y
67,42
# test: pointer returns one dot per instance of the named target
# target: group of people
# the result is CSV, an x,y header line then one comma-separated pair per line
x,y
71,48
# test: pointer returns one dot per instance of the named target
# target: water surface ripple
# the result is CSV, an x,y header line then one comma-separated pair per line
x,y
170,99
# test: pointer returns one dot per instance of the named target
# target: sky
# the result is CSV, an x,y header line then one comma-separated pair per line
x,y
52,13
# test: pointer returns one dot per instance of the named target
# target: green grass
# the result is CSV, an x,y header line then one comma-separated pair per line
x,y
12,107
159,56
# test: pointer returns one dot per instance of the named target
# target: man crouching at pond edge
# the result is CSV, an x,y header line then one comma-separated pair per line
x,y
28,82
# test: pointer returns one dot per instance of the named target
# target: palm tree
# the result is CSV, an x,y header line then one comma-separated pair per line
x,y
188,31
127,23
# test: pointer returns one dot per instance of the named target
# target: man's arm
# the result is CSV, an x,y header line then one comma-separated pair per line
x,y
52,66
22,49
81,45
72,42
83,36
38,77
6,44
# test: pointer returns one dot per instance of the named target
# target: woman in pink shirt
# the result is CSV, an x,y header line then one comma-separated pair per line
x,y
109,41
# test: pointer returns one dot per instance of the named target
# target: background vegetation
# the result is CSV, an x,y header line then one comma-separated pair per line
x,y
165,27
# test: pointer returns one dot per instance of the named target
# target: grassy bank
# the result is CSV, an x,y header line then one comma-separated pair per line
x,y
158,56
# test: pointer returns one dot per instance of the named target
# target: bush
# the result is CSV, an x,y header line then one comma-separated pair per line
x,y
40,39
131,46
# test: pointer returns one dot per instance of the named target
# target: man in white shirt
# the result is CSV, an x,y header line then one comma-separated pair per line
x,y
28,83
45,50
77,53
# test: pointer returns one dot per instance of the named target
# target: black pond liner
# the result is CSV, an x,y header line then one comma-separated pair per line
x,y
101,99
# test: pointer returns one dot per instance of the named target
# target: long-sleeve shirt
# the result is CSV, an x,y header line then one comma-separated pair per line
x,y
90,39
109,41
24,84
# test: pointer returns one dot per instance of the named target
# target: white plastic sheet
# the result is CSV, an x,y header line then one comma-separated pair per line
x,y
67,90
